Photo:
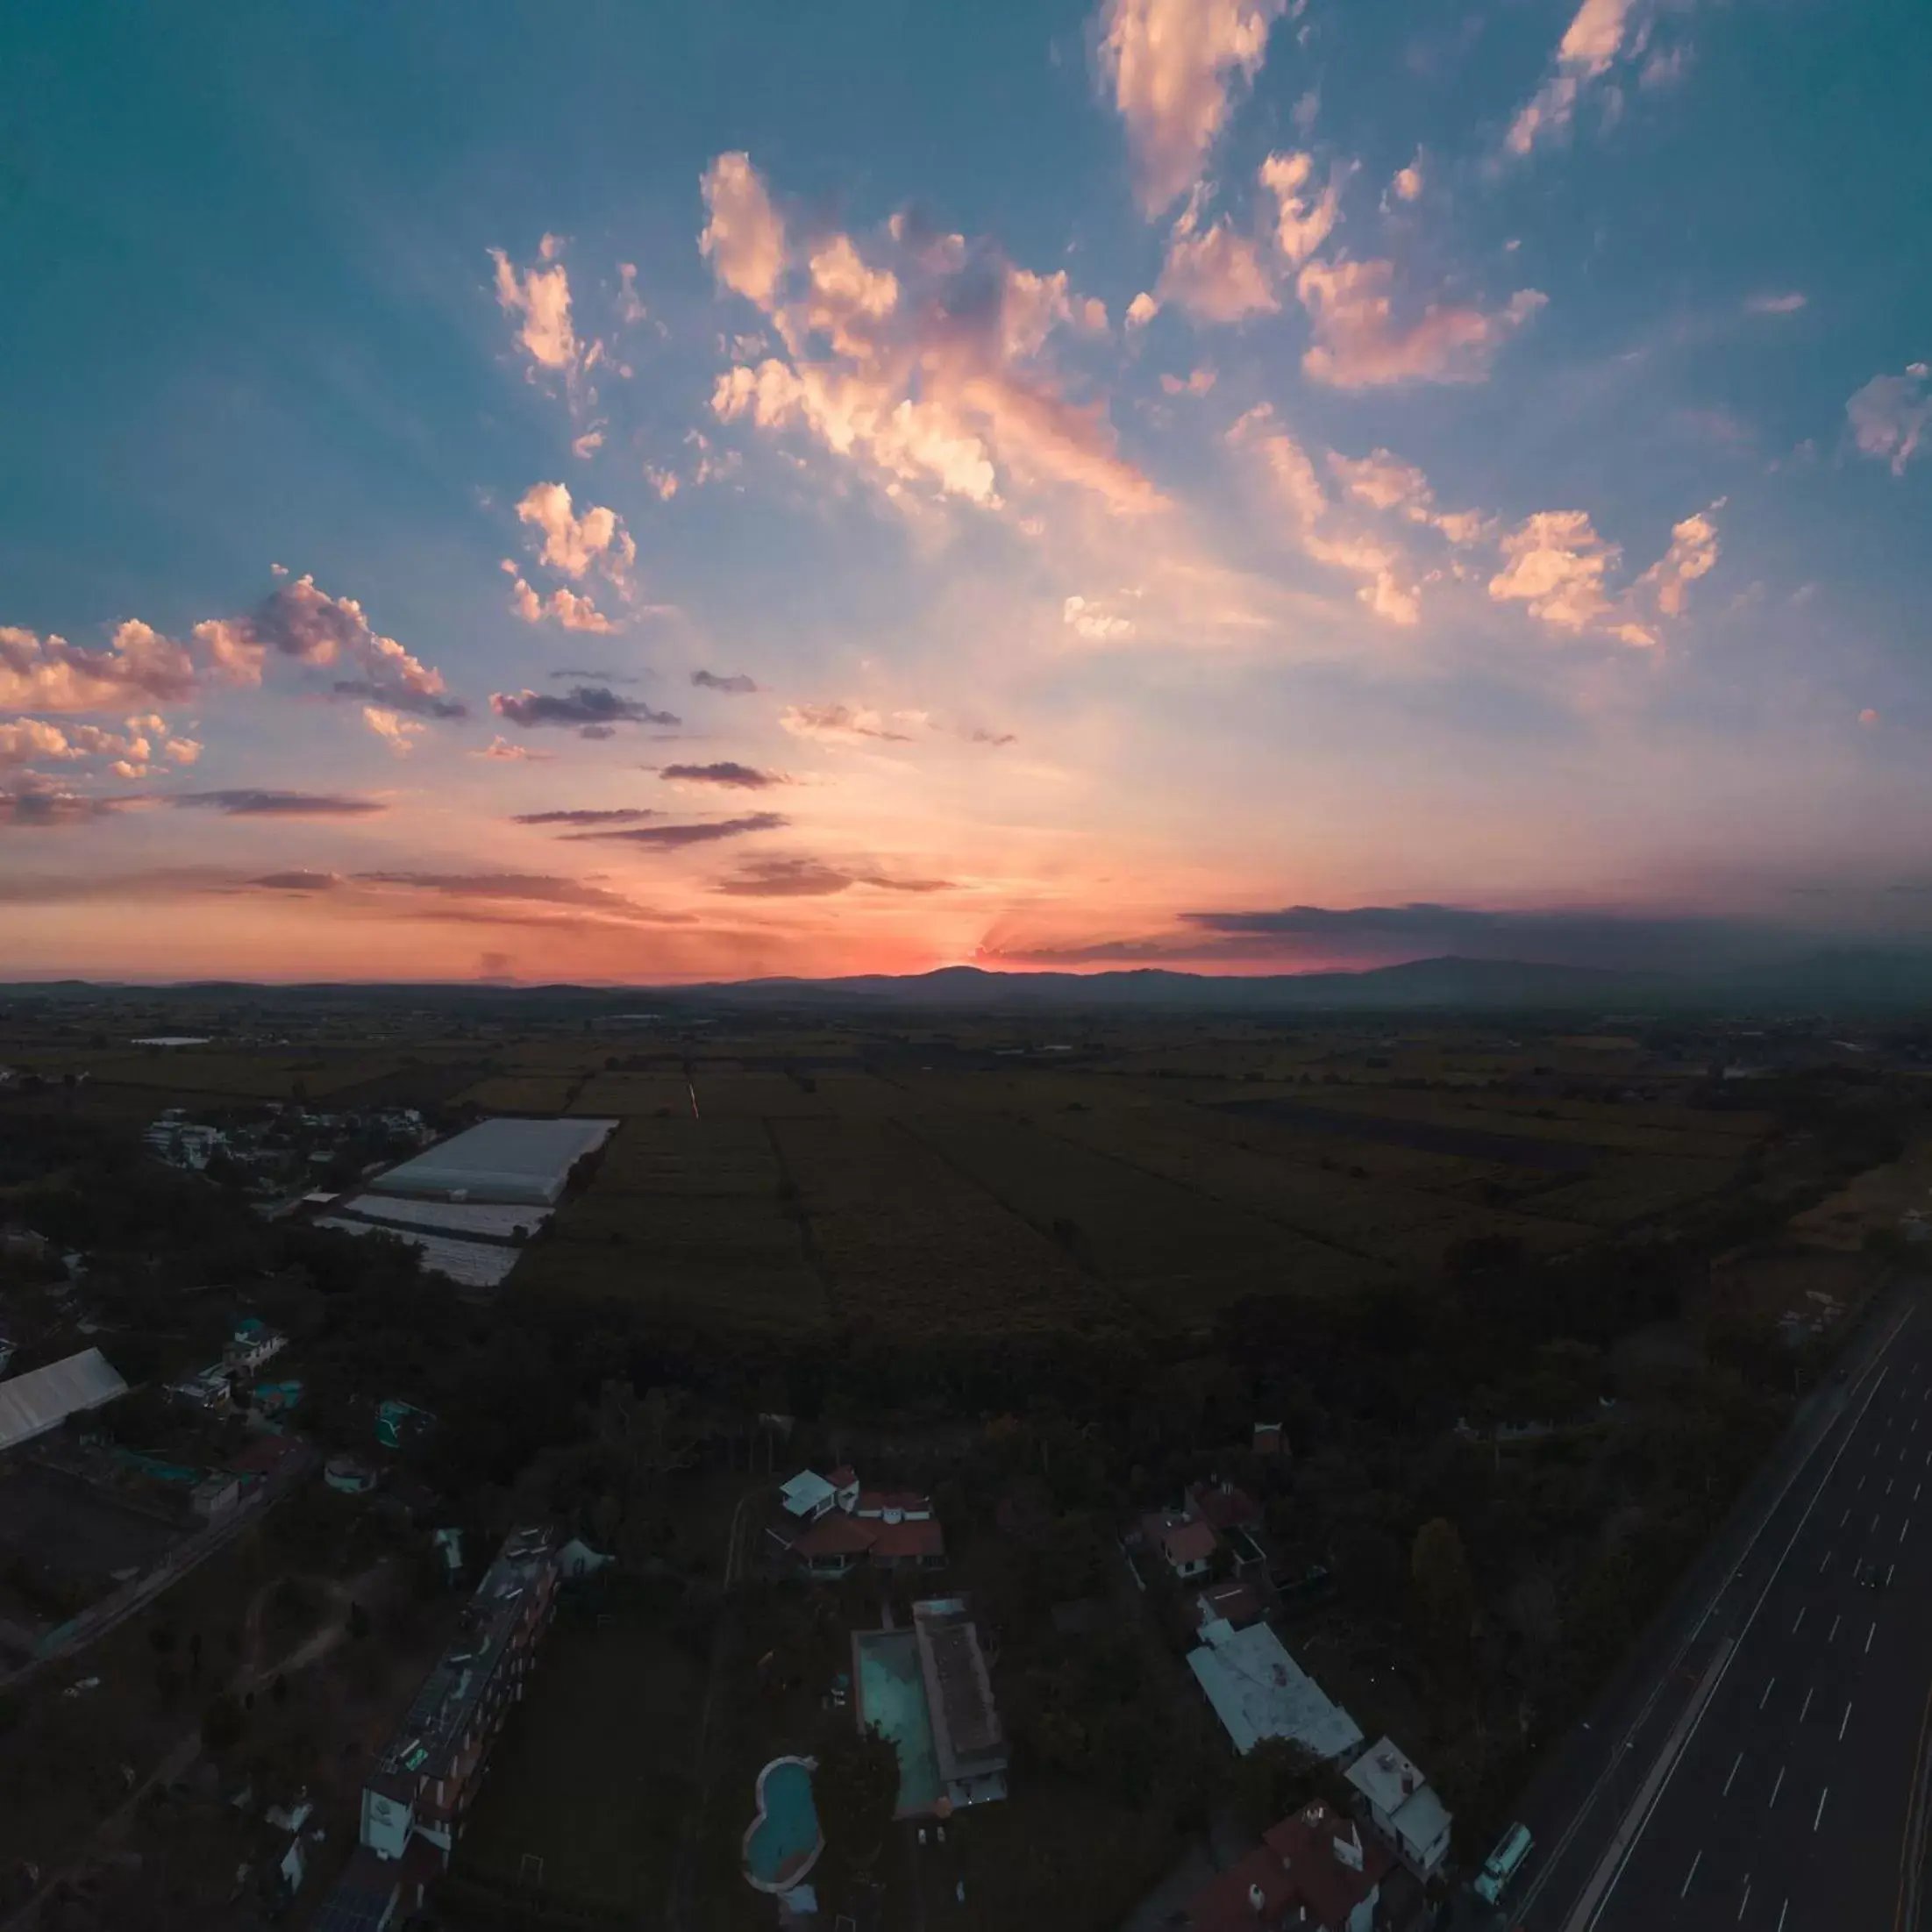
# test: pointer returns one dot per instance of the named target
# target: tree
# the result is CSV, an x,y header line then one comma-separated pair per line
x,y
1441,1596
855,1789
222,1724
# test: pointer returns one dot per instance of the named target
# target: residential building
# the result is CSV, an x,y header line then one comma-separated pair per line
x,y
349,1474
1184,1542
1258,1691
828,1525
216,1495
1223,1506
252,1344
43,1398
1312,1872
1236,1604
1402,1807
181,1143
1269,1440
428,1773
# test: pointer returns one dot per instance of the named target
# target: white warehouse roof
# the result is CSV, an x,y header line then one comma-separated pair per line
x,y
506,1161
44,1398
1258,1691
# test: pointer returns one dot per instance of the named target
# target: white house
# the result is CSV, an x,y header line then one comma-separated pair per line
x,y
1258,1691
1403,1806
252,1344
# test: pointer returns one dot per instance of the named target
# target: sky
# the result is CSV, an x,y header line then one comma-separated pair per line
x,y
649,494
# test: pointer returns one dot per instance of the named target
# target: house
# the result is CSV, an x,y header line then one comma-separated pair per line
x,y
578,1560
43,1398
216,1496
1223,1506
828,1526
429,1771
1184,1544
1258,1691
1312,1873
1402,1807
209,1389
1236,1604
252,1344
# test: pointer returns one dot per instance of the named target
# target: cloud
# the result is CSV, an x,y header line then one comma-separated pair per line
x,y
574,544
1360,343
981,734
1773,304
1556,563
586,446
1196,382
502,748
1602,34
248,802
298,882
1407,183
1385,483
1142,310
737,684
533,888
746,778
921,357
37,806
1301,224
1173,66
566,606
592,707
1888,418
1692,554
396,732
631,308
744,238
813,878
619,815
297,620
538,300
24,740
675,838
1321,532
50,675
844,724
1086,619
1216,273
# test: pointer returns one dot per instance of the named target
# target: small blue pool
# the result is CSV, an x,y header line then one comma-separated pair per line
x,y
892,1694
784,1841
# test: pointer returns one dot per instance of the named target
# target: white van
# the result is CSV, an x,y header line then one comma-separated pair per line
x,y
1504,1863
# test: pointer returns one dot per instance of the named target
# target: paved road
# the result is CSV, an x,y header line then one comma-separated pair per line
x,y
1771,1777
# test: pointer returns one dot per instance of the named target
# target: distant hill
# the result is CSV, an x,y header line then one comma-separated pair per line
x,y
1844,980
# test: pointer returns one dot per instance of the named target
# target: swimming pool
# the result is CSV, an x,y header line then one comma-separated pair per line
x,y
892,1694
783,1841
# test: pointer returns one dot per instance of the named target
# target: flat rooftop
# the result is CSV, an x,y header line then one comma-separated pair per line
x,y
424,1744
499,1160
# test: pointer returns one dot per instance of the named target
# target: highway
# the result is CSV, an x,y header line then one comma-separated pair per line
x,y
1772,1775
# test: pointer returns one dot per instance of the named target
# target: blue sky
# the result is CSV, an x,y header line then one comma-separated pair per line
x,y
1168,457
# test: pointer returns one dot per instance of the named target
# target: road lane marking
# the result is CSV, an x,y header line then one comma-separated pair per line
x,y
1776,1788
1809,1694
1826,1558
1844,1720
1903,1527
1916,1487
1846,1518
1765,1699
1861,1482
1890,1480
1800,1619
1869,1634
1782,1909
1817,1816
1729,1781
1691,1873
1835,1621
1745,1901
1889,1568
1874,1522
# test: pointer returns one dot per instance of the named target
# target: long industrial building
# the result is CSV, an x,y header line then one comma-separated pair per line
x,y
506,1161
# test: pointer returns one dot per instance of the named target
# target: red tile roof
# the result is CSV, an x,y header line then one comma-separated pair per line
x,y
844,1477
897,1541
834,1535
1305,1844
1224,1508
1240,1603
1225,1905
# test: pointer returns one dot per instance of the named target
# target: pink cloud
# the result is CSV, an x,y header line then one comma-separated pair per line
x,y
1558,567
1302,222
1359,342
538,302
563,606
396,732
922,359
1601,34
1774,304
1173,66
1216,273
574,544
744,238
50,675
1889,417
1692,554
